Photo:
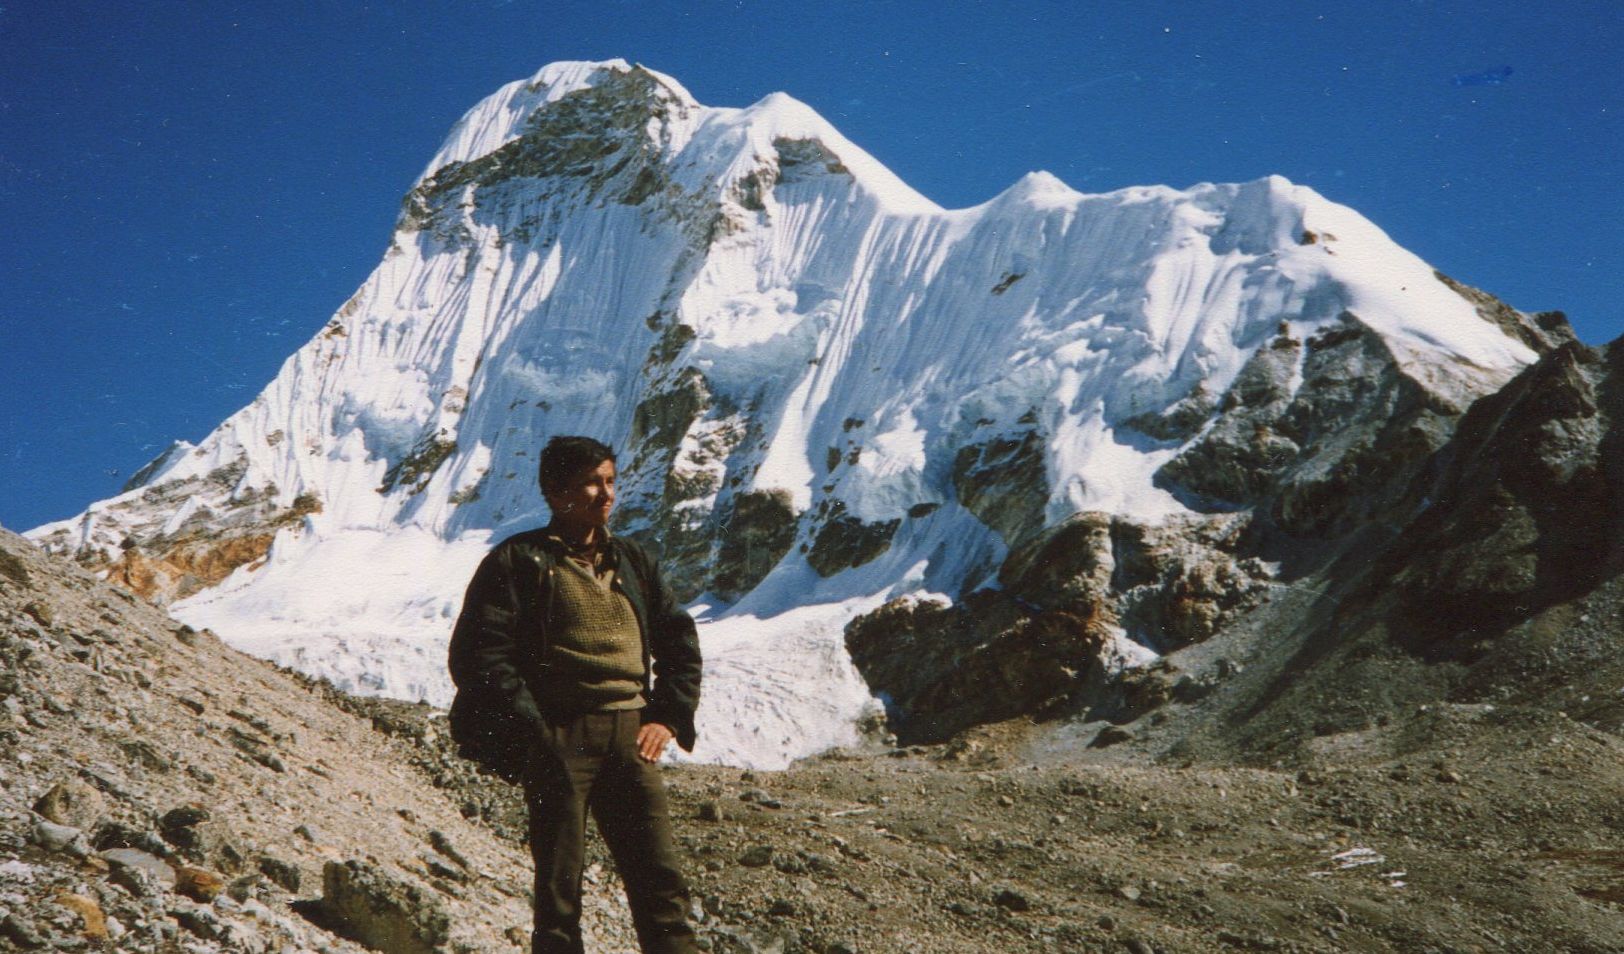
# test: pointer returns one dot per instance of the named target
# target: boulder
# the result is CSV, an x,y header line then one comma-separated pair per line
x,y
365,904
72,803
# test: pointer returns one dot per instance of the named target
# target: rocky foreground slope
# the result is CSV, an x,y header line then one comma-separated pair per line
x,y
162,792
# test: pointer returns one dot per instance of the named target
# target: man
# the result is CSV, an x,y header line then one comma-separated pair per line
x,y
582,668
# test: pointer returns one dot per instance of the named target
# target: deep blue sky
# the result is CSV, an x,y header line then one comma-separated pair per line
x,y
189,190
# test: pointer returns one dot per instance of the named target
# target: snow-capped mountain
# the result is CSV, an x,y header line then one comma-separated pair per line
x,y
828,392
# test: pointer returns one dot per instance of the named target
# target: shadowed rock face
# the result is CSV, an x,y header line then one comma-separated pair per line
x,y
384,913
945,668
754,537
1526,511
1315,434
1004,482
845,542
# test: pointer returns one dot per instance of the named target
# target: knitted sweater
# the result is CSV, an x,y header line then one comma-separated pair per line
x,y
595,649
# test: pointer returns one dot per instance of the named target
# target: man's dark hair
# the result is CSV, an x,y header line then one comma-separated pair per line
x,y
566,456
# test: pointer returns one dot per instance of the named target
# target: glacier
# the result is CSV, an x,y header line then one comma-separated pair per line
x,y
827,390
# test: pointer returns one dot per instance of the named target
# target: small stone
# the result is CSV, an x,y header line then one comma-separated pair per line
x,y
781,908
1004,801
201,922
1140,946
186,816
270,761
72,803
1111,735
1012,900
131,859
115,835
90,913
757,857
790,864
137,881
443,845
1450,776
21,933
198,883
761,798
41,612
146,755
1128,893
246,888
711,812
309,834
63,838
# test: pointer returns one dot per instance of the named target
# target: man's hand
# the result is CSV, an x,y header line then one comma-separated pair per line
x,y
652,739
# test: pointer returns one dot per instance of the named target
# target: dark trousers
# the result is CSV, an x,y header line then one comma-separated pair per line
x,y
590,763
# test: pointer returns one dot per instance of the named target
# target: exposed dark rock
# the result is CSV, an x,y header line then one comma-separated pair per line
x,y
1322,459
281,873
803,159
945,668
414,470
662,419
757,531
13,569
20,932
1527,510
1070,564
1005,483
40,612
1180,421
845,542
113,835
1111,735
384,913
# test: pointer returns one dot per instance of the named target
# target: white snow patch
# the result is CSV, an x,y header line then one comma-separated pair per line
x,y
780,688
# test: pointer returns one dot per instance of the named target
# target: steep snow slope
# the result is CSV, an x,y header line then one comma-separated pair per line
x,y
828,390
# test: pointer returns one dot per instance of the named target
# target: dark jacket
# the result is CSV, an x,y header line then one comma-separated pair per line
x,y
500,641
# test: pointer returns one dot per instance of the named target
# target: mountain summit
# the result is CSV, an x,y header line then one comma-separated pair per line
x,y
832,397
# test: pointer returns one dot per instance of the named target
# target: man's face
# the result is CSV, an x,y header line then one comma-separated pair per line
x,y
585,500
